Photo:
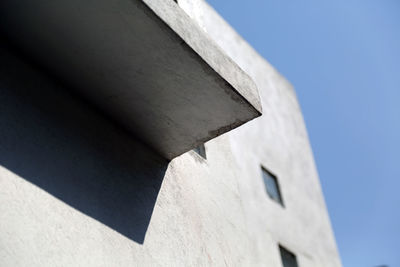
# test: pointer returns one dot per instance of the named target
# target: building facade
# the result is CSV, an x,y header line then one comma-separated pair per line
x,y
79,188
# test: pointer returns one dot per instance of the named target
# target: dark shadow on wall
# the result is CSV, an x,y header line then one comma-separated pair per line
x,y
57,142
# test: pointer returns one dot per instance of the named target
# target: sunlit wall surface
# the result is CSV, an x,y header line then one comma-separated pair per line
x,y
343,58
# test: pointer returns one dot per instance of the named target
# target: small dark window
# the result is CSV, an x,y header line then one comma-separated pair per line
x,y
272,186
201,150
288,258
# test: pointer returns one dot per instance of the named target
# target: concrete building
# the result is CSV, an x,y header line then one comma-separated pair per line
x,y
104,107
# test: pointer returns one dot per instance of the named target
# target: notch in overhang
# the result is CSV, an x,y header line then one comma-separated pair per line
x,y
144,63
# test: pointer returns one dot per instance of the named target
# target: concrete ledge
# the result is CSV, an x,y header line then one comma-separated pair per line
x,y
144,63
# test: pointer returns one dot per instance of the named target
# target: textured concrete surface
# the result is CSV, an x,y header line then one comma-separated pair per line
x,y
152,69
77,190
278,141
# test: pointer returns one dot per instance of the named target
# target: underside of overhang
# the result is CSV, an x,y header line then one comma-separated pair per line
x,y
145,64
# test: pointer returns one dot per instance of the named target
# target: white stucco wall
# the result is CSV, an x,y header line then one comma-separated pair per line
x,y
278,141
77,190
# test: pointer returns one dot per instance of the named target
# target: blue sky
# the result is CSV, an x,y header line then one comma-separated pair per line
x,y
343,57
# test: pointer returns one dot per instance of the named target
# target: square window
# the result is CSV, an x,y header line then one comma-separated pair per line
x,y
272,186
201,150
288,258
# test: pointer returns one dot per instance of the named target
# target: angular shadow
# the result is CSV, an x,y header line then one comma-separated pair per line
x,y
58,142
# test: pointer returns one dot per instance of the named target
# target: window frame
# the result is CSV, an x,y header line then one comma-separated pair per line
x,y
287,252
280,200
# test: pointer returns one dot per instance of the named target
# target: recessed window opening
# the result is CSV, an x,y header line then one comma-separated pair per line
x,y
288,258
201,150
272,186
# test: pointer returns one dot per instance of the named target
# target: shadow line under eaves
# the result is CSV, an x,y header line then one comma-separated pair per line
x,y
54,140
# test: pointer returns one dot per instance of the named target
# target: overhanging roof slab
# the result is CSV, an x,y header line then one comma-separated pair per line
x,y
144,63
